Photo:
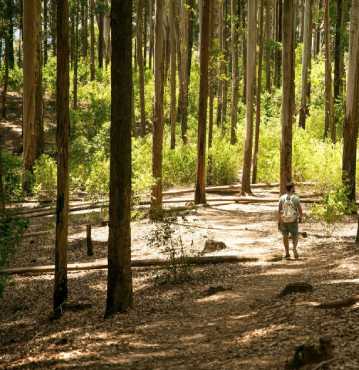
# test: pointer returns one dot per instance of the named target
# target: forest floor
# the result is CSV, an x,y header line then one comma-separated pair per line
x,y
183,326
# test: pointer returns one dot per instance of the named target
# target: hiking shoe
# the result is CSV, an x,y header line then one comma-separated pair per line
x,y
287,257
296,256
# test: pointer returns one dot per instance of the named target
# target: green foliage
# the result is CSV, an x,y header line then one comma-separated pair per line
x,y
334,206
177,268
45,171
11,230
97,183
12,167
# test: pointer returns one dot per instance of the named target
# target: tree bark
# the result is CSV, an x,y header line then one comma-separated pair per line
x,y
157,155
306,63
235,72
92,40
200,192
119,279
32,91
251,78
288,96
352,108
101,18
62,137
173,46
267,49
329,126
141,67
76,52
5,82
84,29
9,32
45,37
259,93
2,190
278,53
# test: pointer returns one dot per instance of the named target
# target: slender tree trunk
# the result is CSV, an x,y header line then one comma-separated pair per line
x,y
62,137
267,49
329,119
145,20
151,36
278,53
226,68
76,52
53,24
318,30
119,278
173,46
259,93
141,67
306,63
235,72
5,82
92,40
339,50
244,49
101,18
352,107
222,65
2,190
200,192
107,37
32,92
21,33
84,29
288,96
157,155
251,78
9,35
45,38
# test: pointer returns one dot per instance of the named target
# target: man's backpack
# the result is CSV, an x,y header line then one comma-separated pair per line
x,y
289,210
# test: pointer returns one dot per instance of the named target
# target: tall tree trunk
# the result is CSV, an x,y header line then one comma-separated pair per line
x,y
267,48
235,72
226,68
84,29
21,33
259,93
45,38
339,50
352,107
222,65
251,78
101,19
53,24
329,119
244,6
107,37
5,82
157,155
200,192
141,67
9,32
92,40
62,141
119,278
278,54
288,96
173,46
32,92
76,52
151,35
318,30
2,190
306,63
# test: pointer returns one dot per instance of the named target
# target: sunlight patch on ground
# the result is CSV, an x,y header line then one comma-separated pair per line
x,y
258,333
218,297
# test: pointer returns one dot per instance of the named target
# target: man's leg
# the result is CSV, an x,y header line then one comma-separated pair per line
x,y
286,245
295,243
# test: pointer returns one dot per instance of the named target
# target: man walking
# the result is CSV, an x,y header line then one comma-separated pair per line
x,y
290,213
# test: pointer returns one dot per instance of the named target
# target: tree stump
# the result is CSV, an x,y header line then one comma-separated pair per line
x,y
89,240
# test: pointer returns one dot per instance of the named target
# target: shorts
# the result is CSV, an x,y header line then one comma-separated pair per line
x,y
289,228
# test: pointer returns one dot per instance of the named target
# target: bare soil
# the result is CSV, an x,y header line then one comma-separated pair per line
x,y
179,326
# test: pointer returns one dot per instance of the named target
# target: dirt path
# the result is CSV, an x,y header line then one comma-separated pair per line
x,y
178,326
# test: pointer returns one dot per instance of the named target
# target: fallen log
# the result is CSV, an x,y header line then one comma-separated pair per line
x,y
134,263
341,303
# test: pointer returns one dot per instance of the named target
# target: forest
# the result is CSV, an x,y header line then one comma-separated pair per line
x,y
151,154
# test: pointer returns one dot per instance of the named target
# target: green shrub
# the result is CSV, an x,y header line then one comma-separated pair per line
x,y
45,174
12,168
97,184
11,230
334,206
